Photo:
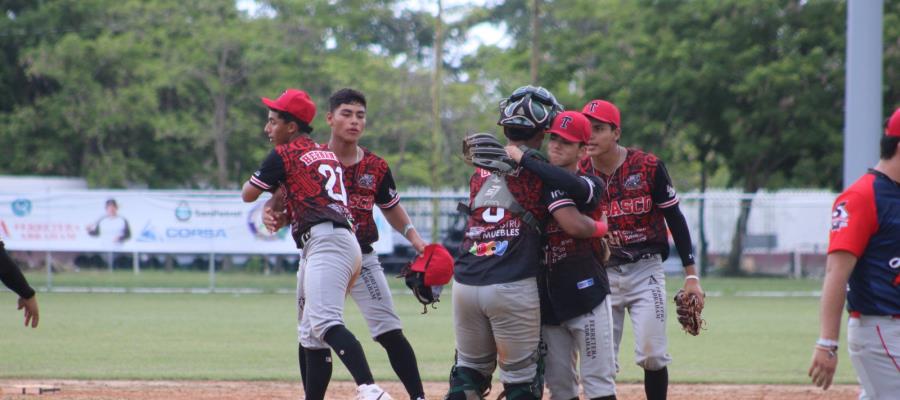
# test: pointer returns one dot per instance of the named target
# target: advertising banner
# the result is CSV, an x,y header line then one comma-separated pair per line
x,y
146,221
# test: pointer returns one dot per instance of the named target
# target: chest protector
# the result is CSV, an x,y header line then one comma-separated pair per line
x,y
495,193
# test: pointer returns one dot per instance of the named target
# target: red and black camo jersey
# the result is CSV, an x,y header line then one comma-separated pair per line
x,y
313,184
574,281
562,248
635,195
498,245
369,182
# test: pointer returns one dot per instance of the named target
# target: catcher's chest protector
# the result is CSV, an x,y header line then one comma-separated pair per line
x,y
495,193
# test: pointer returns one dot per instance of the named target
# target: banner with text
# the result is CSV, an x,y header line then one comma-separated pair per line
x,y
148,221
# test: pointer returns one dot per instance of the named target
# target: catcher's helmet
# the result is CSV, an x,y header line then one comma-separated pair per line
x,y
428,272
529,107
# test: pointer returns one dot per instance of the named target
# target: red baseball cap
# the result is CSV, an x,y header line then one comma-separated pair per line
x,y
602,111
572,126
295,102
893,125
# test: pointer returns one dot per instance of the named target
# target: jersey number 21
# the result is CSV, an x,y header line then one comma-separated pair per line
x,y
335,177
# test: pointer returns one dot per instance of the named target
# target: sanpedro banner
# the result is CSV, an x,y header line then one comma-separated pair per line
x,y
146,221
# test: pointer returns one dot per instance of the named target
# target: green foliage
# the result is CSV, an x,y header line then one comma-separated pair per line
x,y
165,93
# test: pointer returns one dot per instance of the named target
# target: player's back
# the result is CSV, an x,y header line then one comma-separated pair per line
x,y
501,245
314,187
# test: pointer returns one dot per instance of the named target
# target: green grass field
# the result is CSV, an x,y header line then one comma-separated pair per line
x,y
224,336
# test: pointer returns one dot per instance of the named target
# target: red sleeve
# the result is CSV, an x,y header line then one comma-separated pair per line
x,y
853,218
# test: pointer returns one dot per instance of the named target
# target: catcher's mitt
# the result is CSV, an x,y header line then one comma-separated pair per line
x,y
689,308
483,150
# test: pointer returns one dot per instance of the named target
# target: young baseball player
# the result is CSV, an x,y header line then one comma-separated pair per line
x,y
496,306
576,316
863,266
369,182
321,223
12,277
640,201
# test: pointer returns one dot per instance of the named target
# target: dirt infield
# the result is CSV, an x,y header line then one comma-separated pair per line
x,y
209,390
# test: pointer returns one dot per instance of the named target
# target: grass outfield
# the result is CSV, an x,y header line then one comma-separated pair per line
x,y
224,336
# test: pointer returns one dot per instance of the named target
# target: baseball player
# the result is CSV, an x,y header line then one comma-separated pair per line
x,y
12,277
496,306
313,187
640,201
369,182
576,316
864,251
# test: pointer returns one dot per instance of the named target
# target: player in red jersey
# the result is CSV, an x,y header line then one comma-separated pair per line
x,y
640,202
321,223
369,183
863,266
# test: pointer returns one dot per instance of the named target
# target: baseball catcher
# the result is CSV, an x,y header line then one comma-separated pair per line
x,y
689,308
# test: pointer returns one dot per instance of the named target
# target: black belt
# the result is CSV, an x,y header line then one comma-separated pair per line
x,y
615,261
304,237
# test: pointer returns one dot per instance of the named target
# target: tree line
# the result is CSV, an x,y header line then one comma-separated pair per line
x,y
165,93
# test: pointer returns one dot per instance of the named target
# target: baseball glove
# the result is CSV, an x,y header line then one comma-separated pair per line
x,y
483,150
689,308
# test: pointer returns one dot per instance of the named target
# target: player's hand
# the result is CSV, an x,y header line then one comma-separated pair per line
x,y
274,220
824,363
514,152
418,244
32,315
692,286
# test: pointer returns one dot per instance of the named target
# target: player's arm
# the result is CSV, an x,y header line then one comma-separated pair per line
x,y
583,190
853,223
12,277
267,178
388,201
838,267
665,197
572,222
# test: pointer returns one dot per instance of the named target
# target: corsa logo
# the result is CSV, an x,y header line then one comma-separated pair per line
x,y
492,248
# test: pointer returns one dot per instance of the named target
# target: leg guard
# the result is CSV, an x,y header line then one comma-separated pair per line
x,y
528,390
521,391
467,384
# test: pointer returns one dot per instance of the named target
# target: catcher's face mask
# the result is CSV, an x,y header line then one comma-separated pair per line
x,y
529,107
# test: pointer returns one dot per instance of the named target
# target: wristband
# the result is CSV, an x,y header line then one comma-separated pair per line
x,y
827,344
692,277
600,229
408,228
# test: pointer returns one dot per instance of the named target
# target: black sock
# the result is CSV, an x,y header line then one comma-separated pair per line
x,y
301,357
351,354
610,397
656,384
318,373
403,361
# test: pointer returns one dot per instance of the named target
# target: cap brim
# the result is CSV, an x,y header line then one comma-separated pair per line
x,y
598,119
271,104
565,135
